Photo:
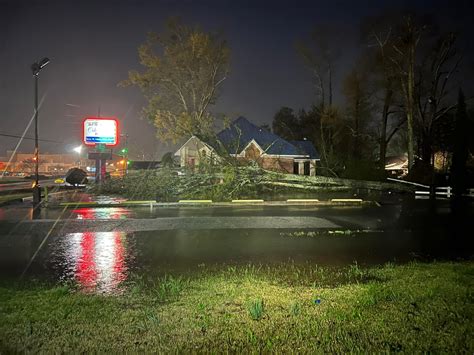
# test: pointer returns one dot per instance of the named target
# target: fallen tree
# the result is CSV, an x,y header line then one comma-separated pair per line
x,y
229,183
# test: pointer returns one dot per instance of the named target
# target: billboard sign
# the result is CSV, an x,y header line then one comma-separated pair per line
x,y
100,130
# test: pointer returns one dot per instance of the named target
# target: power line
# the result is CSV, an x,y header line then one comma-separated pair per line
x,y
15,136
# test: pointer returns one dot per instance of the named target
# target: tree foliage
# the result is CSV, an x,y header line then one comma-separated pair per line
x,y
286,124
184,71
167,160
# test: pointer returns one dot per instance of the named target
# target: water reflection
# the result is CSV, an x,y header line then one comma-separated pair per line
x,y
102,213
97,260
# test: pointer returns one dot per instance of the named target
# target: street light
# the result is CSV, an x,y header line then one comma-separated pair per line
x,y
36,68
78,149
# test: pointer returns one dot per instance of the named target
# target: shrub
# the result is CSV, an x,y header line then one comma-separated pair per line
x,y
363,170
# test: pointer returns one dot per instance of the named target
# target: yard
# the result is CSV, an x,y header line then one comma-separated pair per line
x,y
416,307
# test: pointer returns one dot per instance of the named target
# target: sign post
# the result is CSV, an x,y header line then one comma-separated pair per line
x,y
100,132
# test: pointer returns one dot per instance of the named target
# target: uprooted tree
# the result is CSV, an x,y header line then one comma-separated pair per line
x,y
184,70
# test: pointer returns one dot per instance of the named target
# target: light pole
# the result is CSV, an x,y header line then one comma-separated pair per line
x,y
36,68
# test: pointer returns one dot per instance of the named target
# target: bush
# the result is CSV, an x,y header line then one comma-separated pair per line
x,y
363,170
421,172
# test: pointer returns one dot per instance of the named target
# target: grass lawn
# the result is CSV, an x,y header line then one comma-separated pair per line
x,y
287,307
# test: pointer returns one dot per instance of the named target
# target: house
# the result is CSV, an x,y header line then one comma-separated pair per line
x,y
247,142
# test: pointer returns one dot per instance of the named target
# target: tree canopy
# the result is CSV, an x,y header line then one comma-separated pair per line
x,y
184,70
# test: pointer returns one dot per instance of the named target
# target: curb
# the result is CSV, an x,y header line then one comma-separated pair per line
x,y
260,203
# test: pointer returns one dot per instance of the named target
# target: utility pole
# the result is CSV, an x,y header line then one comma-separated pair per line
x,y
36,68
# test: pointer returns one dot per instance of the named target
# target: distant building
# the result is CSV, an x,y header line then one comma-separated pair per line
x,y
397,165
53,164
247,142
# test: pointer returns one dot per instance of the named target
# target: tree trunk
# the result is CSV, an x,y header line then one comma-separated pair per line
x,y
410,105
330,85
356,148
383,135
426,151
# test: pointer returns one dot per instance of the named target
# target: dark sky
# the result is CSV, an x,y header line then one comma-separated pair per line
x,y
93,44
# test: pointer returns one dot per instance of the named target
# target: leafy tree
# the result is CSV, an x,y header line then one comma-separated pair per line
x,y
28,165
181,80
167,160
285,124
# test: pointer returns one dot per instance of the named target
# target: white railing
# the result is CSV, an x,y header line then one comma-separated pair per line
x,y
441,191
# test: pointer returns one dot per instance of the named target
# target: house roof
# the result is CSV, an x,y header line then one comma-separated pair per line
x,y
307,147
241,132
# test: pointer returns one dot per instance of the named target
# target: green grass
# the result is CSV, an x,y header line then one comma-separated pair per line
x,y
255,308
281,308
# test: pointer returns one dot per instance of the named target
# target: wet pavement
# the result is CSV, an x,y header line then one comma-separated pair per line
x,y
99,248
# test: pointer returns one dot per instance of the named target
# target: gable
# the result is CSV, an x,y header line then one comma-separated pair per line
x,y
252,151
195,145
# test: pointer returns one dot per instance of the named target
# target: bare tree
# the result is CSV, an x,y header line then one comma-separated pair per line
x,y
379,39
436,71
404,59
320,56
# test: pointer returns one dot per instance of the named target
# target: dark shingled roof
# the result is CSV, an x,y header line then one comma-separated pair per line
x,y
307,147
241,132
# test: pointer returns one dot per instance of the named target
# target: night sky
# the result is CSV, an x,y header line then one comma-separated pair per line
x,y
93,44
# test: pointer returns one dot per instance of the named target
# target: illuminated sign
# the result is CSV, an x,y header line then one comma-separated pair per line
x,y
100,130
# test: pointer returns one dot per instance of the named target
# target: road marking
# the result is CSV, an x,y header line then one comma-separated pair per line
x,y
302,200
346,200
247,201
195,201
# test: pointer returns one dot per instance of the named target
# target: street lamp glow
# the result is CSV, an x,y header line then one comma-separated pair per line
x,y
78,149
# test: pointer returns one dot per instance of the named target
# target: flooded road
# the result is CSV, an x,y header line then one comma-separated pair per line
x,y
99,248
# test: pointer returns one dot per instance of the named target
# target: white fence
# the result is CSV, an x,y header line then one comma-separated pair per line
x,y
441,191
444,191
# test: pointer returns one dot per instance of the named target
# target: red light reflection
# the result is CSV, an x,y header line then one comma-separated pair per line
x,y
102,213
100,261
